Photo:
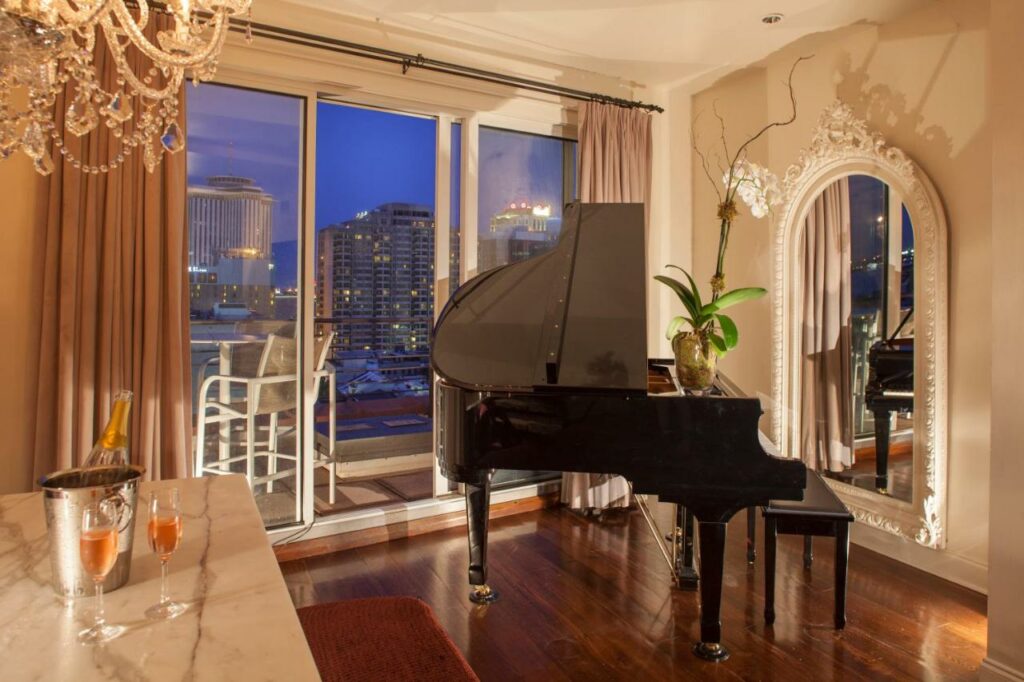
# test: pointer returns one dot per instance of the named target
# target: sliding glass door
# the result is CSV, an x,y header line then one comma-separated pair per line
x,y
375,251
245,161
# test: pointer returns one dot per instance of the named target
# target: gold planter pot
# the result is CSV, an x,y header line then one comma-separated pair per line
x,y
696,362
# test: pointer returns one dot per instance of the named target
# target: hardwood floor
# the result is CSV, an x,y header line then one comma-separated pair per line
x,y
586,600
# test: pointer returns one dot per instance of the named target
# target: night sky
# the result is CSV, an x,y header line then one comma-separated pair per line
x,y
367,157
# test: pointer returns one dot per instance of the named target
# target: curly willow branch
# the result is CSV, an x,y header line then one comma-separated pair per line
x,y
776,124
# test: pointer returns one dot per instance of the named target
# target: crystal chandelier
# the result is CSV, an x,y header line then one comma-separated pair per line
x,y
45,45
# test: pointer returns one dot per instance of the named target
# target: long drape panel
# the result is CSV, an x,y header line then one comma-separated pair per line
x,y
614,154
614,157
115,306
826,409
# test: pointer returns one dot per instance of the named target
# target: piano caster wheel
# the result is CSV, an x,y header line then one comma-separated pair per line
x,y
482,594
713,652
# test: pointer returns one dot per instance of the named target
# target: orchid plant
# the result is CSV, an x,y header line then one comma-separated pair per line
x,y
759,189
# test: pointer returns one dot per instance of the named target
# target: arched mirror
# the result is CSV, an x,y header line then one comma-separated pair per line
x,y
860,327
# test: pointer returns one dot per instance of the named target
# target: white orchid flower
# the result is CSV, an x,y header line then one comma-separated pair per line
x,y
757,186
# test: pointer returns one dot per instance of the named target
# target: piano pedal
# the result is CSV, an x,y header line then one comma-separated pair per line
x,y
687,580
483,594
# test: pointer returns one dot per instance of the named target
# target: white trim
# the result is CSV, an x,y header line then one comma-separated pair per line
x,y
470,167
306,441
402,512
842,145
950,566
994,671
442,258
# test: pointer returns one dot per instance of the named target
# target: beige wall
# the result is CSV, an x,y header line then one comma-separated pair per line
x,y
921,82
1006,554
20,305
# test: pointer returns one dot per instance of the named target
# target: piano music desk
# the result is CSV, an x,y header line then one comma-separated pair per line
x,y
820,513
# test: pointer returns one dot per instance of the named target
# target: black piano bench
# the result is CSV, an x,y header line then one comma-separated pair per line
x,y
820,513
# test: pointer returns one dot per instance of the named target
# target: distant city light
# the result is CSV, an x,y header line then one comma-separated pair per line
x,y
542,211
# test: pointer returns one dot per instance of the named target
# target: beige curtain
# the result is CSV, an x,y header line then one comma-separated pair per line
x,y
115,306
613,164
826,410
614,154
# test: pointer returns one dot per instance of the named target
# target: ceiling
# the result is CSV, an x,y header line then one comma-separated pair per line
x,y
650,42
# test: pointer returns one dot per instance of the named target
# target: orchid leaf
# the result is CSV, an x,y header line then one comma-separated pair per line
x,y
675,324
693,286
730,332
718,345
733,297
684,294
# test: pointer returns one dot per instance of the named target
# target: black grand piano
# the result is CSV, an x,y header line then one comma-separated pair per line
x,y
890,388
543,366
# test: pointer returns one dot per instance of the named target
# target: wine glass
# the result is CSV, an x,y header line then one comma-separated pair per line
x,y
97,548
164,535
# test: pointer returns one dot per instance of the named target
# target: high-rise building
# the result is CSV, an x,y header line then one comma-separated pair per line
x,y
229,217
516,233
229,260
375,285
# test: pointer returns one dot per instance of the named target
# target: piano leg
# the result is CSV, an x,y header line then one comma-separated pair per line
x,y
751,532
712,566
478,503
882,424
686,575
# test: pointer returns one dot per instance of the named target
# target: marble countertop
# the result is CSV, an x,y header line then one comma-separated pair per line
x,y
240,625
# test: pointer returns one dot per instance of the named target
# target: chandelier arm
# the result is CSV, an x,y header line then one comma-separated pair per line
x,y
76,18
128,73
158,55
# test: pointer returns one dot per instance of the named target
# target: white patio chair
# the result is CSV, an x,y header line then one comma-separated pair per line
x,y
269,393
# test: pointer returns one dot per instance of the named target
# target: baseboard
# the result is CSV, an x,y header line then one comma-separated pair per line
x,y
942,563
406,529
994,671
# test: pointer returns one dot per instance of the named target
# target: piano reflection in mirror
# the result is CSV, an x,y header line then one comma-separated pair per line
x,y
543,365
890,388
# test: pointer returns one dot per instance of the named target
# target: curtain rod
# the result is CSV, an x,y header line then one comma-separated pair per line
x,y
410,61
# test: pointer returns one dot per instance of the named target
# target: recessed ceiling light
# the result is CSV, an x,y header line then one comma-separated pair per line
x,y
772,18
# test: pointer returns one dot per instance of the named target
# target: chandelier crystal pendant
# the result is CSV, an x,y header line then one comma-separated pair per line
x,y
45,45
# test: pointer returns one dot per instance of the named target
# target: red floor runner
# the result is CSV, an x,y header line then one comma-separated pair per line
x,y
383,638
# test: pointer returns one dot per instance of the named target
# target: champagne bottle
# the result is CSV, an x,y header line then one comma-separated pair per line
x,y
112,447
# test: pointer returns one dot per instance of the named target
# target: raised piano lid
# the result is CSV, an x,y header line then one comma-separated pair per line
x,y
572,318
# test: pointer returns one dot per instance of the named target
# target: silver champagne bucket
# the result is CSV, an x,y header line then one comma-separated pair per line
x,y
66,494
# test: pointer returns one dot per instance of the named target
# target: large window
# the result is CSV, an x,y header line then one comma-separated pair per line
x,y
244,181
525,181
371,283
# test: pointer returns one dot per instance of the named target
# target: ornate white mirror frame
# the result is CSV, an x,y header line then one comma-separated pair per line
x,y
842,145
